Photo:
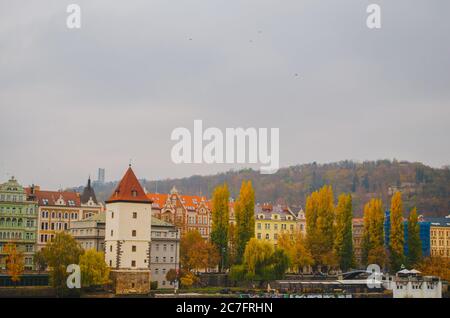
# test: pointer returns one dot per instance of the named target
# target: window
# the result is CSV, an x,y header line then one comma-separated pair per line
x,y
110,263
133,248
267,237
134,215
133,263
112,215
110,248
112,232
133,233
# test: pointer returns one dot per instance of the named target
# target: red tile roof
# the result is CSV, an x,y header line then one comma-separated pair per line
x,y
189,201
129,190
71,199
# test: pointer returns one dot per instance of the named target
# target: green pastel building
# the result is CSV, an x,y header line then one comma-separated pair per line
x,y
18,222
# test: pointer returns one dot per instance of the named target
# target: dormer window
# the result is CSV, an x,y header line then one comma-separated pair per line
x,y
133,193
45,201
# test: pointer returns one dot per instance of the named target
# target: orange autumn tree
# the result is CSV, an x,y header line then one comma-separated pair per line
x,y
14,262
197,254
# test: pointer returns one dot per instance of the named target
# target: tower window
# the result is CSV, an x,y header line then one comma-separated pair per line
x,y
134,215
133,263
133,233
133,248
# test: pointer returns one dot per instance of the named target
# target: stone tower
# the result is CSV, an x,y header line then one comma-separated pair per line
x,y
128,236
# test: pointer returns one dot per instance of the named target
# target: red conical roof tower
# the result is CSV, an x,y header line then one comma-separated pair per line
x,y
129,190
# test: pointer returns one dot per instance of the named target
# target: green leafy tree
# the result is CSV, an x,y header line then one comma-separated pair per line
x,y
59,254
94,271
245,218
396,240
343,240
220,221
414,242
261,262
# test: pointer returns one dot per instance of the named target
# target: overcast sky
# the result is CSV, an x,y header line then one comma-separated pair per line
x,y
75,100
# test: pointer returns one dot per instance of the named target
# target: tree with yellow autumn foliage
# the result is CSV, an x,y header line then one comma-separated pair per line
x,y
373,250
397,235
14,262
295,248
320,227
245,218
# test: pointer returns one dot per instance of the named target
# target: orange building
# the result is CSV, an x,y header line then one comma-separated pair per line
x,y
187,212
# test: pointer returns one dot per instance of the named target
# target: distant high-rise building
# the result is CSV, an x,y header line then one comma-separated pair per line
x,y
101,176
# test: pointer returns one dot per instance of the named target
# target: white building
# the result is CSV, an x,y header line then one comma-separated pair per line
x,y
128,236
410,284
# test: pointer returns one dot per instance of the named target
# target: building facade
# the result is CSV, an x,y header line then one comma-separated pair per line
x,y
128,236
273,220
439,235
357,234
90,232
58,209
165,251
18,222
187,212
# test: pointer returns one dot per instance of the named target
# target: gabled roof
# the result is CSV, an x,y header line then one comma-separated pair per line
x,y
267,210
190,202
88,193
51,198
129,190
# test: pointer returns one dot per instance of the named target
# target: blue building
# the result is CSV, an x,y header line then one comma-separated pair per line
x,y
424,229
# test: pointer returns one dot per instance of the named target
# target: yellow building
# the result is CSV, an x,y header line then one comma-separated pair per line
x,y
440,236
58,209
271,221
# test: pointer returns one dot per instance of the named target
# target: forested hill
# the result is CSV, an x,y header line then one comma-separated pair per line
x,y
422,186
